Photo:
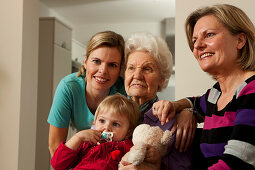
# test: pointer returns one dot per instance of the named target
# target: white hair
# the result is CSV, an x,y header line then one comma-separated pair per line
x,y
156,47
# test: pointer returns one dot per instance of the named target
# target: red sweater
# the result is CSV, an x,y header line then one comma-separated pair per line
x,y
104,156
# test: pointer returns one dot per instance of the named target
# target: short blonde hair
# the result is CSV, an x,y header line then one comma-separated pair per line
x,y
236,21
119,104
156,47
104,39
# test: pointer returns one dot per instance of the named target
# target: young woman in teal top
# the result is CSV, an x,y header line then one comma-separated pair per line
x,y
78,95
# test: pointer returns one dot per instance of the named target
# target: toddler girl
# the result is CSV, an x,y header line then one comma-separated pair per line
x,y
115,119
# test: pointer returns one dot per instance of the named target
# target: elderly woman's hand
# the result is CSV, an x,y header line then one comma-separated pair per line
x,y
164,110
185,126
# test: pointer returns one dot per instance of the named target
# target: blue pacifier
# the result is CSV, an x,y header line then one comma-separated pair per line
x,y
107,136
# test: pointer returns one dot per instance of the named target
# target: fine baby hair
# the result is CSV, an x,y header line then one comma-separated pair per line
x,y
119,104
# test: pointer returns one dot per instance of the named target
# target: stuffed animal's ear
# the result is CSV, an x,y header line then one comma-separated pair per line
x,y
166,138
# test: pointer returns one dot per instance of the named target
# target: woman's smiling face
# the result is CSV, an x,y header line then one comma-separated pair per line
x,y
142,77
102,68
215,48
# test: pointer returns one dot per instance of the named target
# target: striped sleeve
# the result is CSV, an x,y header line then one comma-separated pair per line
x,y
199,105
240,150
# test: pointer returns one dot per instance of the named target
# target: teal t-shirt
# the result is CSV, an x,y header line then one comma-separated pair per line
x,y
69,103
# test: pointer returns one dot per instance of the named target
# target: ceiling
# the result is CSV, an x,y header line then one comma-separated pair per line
x,y
79,12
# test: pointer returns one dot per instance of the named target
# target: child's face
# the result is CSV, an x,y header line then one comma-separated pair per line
x,y
116,123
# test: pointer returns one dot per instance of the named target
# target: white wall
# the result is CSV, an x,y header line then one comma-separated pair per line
x,y
83,33
44,11
11,33
190,79
169,92
29,77
18,87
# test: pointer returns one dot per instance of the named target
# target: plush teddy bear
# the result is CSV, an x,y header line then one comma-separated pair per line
x,y
145,134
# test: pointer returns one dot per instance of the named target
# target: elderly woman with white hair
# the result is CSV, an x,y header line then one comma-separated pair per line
x,y
148,69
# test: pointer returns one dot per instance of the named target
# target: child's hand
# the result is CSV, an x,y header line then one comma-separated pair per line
x,y
89,135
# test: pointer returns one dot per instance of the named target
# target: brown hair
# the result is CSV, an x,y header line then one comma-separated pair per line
x,y
236,21
108,39
120,104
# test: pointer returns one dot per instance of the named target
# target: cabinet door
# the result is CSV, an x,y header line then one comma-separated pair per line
x,y
63,35
62,65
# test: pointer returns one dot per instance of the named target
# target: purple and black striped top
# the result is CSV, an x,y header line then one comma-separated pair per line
x,y
228,137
